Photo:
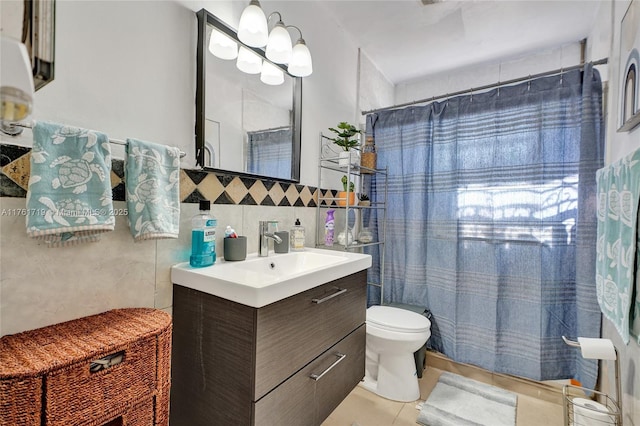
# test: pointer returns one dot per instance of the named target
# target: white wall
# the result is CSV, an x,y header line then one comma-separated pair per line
x,y
128,68
124,68
488,73
376,91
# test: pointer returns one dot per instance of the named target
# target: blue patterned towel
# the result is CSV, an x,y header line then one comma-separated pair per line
x,y
152,180
618,195
69,194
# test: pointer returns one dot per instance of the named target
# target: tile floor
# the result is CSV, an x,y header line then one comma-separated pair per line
x,y
537,405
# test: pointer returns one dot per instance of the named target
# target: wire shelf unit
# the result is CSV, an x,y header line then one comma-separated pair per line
x,y
586,412
579,413
330,161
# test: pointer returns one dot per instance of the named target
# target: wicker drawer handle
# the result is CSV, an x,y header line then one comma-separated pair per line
x,y
106,362
331,296
340,358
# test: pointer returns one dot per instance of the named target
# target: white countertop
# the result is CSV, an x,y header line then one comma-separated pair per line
x,y
260,281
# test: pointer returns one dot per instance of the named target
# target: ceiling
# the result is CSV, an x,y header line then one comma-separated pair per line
x,y
407,39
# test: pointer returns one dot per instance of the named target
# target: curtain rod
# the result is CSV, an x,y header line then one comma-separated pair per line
x,y
29,125
485,87
272,129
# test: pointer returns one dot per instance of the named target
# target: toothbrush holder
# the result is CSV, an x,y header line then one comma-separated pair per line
x,y
235,248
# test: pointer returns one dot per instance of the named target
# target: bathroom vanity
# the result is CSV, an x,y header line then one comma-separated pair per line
x,y
286,362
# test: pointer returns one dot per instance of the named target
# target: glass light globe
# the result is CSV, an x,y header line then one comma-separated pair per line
x,y
300,64
16,81
279,45
221,46
248,61
253,30
271,74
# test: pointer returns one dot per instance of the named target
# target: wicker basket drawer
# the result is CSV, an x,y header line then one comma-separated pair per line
x,y
140,414
75,395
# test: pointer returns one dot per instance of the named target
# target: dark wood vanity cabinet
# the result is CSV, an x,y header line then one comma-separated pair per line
x,y
288,363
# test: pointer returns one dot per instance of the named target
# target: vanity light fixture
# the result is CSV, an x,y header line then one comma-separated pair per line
x,y
271,74
300,64
253,30
248,61
222,46
279,44
16,85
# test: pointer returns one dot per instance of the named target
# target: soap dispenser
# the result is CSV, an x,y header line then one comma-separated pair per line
x,y
297,237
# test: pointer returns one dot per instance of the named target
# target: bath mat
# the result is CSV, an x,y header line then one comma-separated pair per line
x,y
458,401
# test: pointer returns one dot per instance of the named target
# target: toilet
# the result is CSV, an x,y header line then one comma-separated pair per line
x,y
393,335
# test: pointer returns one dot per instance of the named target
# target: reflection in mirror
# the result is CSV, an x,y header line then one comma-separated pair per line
x,y
242,124
212,144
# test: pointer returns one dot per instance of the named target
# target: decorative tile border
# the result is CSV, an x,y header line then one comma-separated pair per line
x,y
195,185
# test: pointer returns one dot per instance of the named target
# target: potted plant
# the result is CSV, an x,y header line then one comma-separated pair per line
x,y
349,188
346,138
364,200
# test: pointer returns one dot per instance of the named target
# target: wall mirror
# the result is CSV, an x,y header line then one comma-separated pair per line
x,y
33,23
243,125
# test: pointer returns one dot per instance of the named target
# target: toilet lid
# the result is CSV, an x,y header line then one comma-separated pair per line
x,y
396,319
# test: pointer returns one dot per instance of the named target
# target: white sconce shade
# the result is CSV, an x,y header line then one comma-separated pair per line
x,y
253,30
248,61
279,45
300,64
222,46
271,74
16,81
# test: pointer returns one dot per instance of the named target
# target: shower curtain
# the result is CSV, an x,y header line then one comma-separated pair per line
x,y
491,222
269,152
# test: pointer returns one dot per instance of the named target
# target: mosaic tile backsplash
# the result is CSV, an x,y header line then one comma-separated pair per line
x,y
195,185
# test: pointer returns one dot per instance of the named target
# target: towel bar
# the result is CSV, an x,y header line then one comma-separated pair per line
x,y
10,129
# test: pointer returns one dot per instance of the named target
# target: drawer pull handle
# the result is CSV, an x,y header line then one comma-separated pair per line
x,y
340,358
106,362
331,296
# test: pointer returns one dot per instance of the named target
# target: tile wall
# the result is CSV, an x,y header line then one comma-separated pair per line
x,y
195,185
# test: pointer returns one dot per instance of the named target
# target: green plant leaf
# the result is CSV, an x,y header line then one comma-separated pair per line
x,y
345,132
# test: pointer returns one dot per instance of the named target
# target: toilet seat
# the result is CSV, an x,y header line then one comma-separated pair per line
x,y
396,319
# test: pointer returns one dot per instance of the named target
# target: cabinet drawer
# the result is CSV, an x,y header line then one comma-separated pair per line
x,y
292,332
309,396
101,394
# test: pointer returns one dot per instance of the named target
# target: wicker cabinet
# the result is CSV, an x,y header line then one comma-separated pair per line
x,y
288,363
111,368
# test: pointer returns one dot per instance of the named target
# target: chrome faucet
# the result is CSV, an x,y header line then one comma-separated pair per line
x,y
265,235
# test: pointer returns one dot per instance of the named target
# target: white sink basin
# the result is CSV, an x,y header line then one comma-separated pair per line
x,y
259,281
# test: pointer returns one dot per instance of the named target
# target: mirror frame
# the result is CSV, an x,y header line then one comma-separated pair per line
x,y
206,18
